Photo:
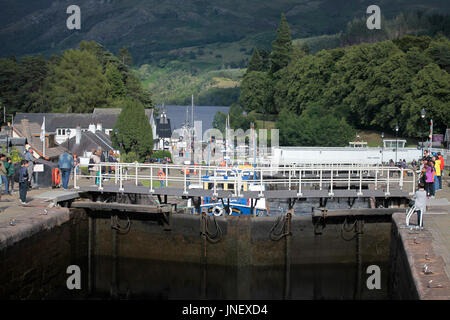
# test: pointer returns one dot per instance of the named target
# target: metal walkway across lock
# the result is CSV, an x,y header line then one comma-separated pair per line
x,y
301,181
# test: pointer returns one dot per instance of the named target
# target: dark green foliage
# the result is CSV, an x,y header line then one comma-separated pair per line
x,y
281,47
132,134
116,88
161,154
439,51
125,57
408,42
256,62
76,84
315,127
256,92
219,121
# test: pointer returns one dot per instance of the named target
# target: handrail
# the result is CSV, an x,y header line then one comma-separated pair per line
x,y
294,178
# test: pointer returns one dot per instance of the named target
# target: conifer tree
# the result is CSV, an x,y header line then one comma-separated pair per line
x,y
281,47
256,62
132,134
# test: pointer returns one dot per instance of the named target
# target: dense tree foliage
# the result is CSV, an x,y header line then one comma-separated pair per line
x,y
132,134
365,86
281,47
76,81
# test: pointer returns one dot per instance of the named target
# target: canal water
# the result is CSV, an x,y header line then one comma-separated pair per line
x,y
157,280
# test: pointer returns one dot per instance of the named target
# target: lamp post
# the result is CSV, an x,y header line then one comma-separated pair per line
x,y
8,131
396,142
68,139
382,147
422,114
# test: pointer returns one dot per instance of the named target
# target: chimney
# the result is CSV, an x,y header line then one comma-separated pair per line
x,y
92,128
77,135
99,127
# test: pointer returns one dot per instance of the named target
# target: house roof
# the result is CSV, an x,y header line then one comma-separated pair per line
x,y
88,142
31,131
106,116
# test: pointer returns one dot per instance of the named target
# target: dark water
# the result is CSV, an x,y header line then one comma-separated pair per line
x,y
149,279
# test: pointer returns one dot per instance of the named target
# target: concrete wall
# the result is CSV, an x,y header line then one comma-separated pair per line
x,y
245,241
36,265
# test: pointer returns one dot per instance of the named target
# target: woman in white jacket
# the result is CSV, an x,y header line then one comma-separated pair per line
x,y
94,167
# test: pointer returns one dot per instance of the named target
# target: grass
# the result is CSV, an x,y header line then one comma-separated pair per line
x,y
373,138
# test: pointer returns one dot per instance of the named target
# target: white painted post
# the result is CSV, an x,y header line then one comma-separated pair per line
x,y
320,181
387,187
121,178
331,190
401,179
215,184
376,178
167,175
349,178
289,179
151,179
136,176
185,182
299,193
261,194
360,182
100,179
75,177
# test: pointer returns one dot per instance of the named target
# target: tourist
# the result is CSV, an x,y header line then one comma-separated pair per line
x,y
4,172
429,180
29,156
441,158
437,169
420,203
65,164
23,181
111,159
162,177
11,172
76,163
94,168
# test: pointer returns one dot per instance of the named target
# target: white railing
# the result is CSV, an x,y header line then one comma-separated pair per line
x,y
292,178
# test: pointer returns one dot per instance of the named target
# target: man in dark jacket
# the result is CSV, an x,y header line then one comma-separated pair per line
x,y
23,181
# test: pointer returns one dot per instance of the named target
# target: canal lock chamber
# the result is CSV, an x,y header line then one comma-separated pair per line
x,y
133,256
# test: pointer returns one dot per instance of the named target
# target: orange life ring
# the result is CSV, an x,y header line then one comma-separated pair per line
x,y
56,177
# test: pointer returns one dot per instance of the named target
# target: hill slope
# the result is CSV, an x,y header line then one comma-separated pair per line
x,y
152,28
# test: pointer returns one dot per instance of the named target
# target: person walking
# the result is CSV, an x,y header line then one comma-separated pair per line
x,y
65,164
4,172
11,172
23,181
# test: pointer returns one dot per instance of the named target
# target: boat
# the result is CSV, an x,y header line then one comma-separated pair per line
x,y
226,179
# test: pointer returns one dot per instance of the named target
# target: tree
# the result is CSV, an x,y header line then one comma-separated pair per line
x,y
116,88
219,121
315,127
256,62
132,134
281,47
76,84
256,92
125,57
431,91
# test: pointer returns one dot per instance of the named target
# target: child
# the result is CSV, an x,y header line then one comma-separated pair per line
x,y
23,181
421,203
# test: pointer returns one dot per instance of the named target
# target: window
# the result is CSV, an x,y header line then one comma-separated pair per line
x,y
61,132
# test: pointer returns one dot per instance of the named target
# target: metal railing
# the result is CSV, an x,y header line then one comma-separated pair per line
x,y
292,178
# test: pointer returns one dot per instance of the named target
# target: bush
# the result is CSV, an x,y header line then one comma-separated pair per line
x,y
161,154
